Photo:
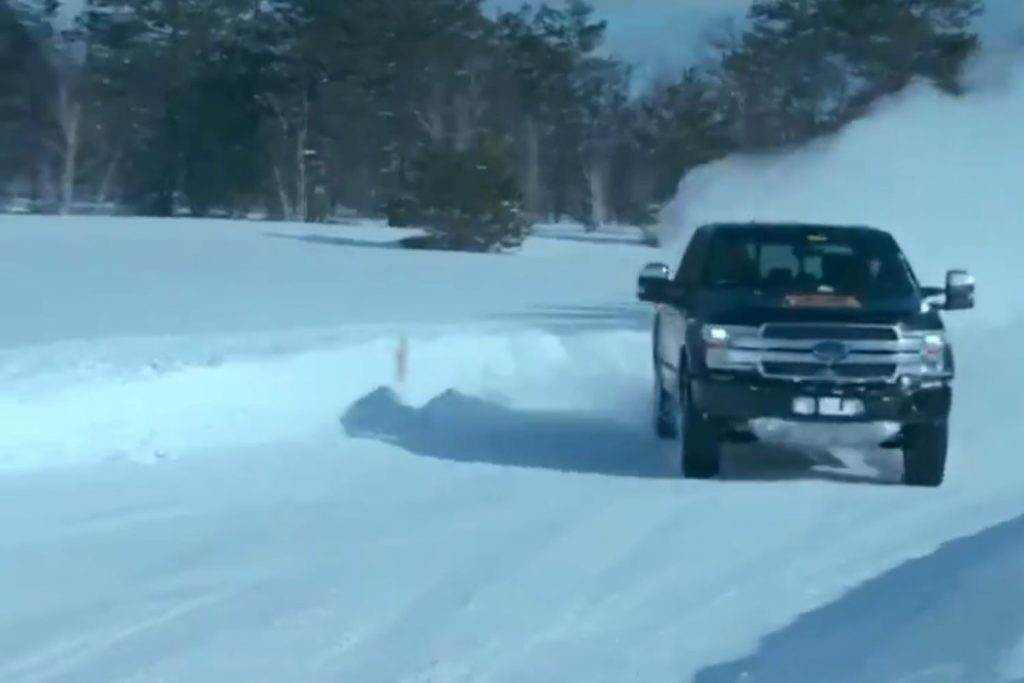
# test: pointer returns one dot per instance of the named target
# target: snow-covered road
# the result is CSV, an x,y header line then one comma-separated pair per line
x,y
254,507
208,472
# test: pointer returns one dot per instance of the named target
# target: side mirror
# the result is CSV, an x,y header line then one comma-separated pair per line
x,y
654,284
959,290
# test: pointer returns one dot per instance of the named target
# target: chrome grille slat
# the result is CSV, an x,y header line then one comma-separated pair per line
x,y
806,345
850,372
785,351
852,359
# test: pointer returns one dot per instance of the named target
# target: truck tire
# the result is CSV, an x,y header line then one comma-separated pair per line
x,y
664,404
924,454
701,456
664,411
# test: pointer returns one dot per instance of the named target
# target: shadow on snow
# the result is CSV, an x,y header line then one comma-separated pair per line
x,y
460,428
952,616
336,241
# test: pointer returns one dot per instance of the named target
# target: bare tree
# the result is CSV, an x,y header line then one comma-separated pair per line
x,y
470,106
294,204
67,140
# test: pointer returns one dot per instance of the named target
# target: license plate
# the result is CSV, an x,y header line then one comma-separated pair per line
x,y
829,406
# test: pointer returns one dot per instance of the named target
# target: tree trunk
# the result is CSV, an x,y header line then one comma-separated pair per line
x,y
469,107
302,188
69,116
282,195
108,178
432,118
532,172
597,182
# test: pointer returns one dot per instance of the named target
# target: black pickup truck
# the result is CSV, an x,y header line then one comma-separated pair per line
x,y
802,323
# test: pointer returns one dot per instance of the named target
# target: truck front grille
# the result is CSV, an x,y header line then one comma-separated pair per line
x,y
797,332
788,351
842,371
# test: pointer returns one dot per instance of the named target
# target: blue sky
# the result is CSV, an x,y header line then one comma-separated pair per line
x,y
656,32
668,32
663,32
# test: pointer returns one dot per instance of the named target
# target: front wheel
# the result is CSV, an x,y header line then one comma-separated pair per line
x,y
701,456
924,454
664,410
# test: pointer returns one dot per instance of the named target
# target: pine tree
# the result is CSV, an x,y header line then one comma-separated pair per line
x,y
684,124
604,95
890,42
468,198
547,51
25,77
148,57
807,67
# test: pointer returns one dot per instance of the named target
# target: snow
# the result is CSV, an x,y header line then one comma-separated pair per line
x,y
99,279
943,181
947,618
209,470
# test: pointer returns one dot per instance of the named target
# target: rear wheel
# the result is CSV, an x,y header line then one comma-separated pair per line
x,y
701,456
924,454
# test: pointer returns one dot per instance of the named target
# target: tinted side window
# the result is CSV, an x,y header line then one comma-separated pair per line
x,y
692,265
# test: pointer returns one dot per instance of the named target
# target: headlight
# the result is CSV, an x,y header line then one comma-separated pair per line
x,y
726,335
715,335
724,347
931,354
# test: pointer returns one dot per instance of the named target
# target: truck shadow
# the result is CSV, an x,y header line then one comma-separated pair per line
x,y
771,462
457,427
460,428
948,616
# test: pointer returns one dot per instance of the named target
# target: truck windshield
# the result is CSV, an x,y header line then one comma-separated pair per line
x,y
859,263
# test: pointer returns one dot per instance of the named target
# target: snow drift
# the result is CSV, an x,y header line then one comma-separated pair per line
x,y
942,173
151,411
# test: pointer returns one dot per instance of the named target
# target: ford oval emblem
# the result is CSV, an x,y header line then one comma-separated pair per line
x,y
830,351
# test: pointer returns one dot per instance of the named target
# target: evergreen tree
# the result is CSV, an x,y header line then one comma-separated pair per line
x,y
468,198
547,50
806,67
307,107
683,125
889,42
25,76
149,57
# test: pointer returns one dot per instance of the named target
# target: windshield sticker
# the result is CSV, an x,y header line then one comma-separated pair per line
x,y
821,301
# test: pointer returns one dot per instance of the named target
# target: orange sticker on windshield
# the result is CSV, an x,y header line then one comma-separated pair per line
x,y
821,301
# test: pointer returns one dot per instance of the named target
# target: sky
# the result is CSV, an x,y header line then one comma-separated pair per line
x,y
657,33
667,33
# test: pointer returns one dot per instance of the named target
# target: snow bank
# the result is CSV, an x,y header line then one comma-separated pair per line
x,y
93,412
943,174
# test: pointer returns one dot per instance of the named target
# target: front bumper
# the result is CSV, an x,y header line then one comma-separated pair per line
x,y
740,399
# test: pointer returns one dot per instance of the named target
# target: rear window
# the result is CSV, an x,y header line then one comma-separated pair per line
x,y
864,264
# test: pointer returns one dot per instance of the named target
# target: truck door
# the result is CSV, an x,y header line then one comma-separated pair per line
x,y
673,317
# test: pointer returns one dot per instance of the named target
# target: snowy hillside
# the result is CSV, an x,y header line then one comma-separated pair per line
x,y
209,471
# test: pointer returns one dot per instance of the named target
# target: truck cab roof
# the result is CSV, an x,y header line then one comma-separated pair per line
x,y
834,228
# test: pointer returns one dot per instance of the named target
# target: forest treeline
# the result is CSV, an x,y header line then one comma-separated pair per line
x,y
442,113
